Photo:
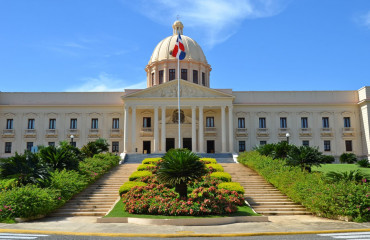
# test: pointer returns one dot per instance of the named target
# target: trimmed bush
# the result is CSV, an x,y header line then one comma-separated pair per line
x,y
224,176
150,160
215,167
94,167
327,159
363,163
68,182
342,198
128,185
139,174
145,167
232,186
208,160
348,158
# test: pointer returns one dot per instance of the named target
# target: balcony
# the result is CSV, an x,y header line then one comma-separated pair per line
x,y
146,132
51,133
210,131
74,132
115,132
8,133
241,132
30,133
282,132
326,132
263,132
94,133
348,132
305,132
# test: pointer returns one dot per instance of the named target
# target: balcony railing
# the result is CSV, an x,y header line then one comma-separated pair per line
x,y
282,132
30,133
8,133
263,132
326,132
74,132
305,132
94,133
50,133
348,132
241,132
146,132
116,132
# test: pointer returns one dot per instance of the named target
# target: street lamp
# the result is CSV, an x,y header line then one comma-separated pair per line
x,y
287,137
72,139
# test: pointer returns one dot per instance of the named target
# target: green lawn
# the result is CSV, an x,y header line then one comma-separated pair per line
x,y
119,212
340,168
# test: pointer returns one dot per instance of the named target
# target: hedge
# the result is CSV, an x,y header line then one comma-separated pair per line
x,y
232,186
208,160
144,167
224,176
128,185
150,160
139,174
332,200
215,166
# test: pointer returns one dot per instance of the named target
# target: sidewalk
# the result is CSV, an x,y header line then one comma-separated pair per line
x,y
88,225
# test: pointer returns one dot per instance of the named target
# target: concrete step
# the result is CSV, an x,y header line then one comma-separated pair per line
x,y
271,213
85,210
86,214
278,208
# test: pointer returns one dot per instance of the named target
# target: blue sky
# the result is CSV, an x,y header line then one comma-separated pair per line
x,y
252,45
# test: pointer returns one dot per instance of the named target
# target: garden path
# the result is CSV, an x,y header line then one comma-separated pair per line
x,y
263,197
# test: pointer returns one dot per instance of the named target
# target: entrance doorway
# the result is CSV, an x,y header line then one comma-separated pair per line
x,y
210,146
146,147
170,143
186,143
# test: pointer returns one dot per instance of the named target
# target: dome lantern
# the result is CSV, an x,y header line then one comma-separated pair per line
x,y
177,28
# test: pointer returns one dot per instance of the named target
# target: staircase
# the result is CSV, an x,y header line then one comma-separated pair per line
x,y
99,197
133,158
220,157
264,198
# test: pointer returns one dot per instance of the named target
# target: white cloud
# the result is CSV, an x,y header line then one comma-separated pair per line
x,y
218,19
366,19
105,83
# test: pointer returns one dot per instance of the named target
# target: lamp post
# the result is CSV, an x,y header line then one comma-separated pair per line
x,y
287,137
72,139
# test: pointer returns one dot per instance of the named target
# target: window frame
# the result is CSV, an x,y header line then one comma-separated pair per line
x,y
283,122
304,141
171,74
9,123
210,121
241,122
347,122
184,72
203,79
52,123
94,123
325,122
195,77
31,123
147,122
8,147
327,146
349,146
242,146
160,76
115,146
29,146
73,123
262,122
115,123
304,122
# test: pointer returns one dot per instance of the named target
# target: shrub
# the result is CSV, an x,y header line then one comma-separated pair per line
x,y
64,156
224,176
330,200
363,163
305,157
28,201
7,184
215,167
348,158
266,150
327,159
98,146
128,185
139,174
150,160
356,176
232,186
94,167
208,160
281,150
68,182
146,167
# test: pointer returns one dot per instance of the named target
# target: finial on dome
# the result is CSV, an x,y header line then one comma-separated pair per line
x,y
177,27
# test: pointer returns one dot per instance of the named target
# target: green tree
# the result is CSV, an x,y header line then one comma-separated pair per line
x,y
179,166
98,146
281,150
305,157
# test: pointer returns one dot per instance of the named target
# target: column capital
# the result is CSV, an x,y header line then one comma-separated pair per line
x,y
133,107
193,107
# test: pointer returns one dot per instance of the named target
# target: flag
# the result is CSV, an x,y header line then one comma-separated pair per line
x,y
179,49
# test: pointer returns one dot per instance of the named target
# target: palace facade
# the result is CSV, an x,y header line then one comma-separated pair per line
x,y
212,120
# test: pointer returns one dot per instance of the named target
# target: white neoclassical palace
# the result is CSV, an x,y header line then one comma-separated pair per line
x,y
212,120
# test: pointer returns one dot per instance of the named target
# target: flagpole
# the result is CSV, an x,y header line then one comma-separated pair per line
x,y
178,99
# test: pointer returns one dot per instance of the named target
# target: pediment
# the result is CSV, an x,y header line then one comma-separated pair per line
x,y
187,90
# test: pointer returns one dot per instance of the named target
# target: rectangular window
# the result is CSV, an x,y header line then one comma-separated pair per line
x,y
305,143
94,123
241,146
325,122
147,122
8,147
304,122
262,122
31,124
283,122
327,146
348,145
172,74
160,75
195,76
347,122
210,122
115,123
51,144
263,143
115,146
52,123
203,79
73,124
153,80
9,123
184,74
29,146
241,122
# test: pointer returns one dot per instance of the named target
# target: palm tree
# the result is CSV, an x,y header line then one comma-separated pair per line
x,y
61,157
179,166
305,157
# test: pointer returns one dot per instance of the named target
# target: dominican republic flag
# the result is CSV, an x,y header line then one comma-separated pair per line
x,y
179,49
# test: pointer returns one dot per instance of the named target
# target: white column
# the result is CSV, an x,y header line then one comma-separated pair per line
x,y
231,130
133,129
201,136
193,129
125,130
156,137
163,137
223,129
